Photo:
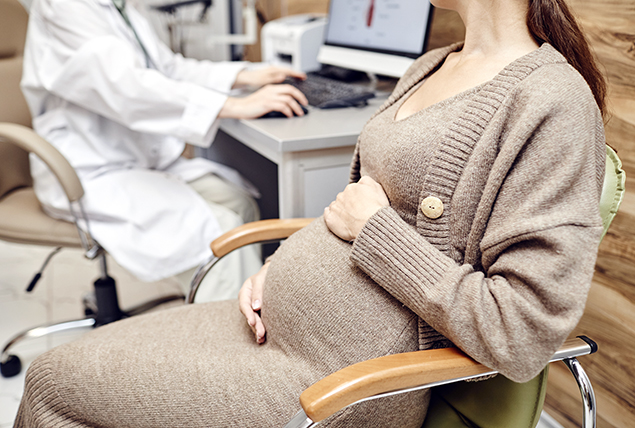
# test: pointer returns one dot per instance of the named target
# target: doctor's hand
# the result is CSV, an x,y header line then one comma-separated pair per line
x,y
347,215
282,98
265,76
250,302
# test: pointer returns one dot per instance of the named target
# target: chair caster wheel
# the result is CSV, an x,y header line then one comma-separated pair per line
x,y
11,367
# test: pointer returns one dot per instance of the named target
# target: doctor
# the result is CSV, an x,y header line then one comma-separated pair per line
x,y
119,105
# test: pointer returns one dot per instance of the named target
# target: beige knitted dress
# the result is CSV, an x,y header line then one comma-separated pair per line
x,y
503,272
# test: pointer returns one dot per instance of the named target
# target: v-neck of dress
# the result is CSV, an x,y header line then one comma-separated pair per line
x,y
438,104
423,76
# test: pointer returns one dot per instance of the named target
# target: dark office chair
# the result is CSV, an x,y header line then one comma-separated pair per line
x,y
493,403
21,217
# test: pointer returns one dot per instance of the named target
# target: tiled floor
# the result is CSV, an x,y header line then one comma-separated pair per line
x,y
57,297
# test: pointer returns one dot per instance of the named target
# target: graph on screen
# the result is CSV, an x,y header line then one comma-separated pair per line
x,y
390,25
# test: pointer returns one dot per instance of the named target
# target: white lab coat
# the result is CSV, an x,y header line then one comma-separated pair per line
x,y
123,126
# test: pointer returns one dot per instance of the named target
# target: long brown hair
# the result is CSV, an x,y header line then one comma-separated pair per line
x,y
551,21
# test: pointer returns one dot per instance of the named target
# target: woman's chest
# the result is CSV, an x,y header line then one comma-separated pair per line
x,y
398,153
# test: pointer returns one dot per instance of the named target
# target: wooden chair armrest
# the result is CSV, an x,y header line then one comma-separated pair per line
x,y
384,374
257,231
248,233
401,372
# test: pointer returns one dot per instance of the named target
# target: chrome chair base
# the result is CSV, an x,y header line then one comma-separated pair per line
x,y
10,365
589,417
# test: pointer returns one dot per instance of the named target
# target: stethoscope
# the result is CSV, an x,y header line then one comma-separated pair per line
x,y
120,5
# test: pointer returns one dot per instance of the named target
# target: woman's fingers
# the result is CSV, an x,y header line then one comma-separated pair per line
x,y
244,303
257,287
256,298
351,209
250,302
259,330
253,318
334,219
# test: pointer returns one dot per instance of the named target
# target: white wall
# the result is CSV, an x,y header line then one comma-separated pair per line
x,y
194,35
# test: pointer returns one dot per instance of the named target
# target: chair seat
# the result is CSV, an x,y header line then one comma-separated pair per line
x,y
24,222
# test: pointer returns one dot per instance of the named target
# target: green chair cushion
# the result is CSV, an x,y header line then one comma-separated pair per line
x,y
613,188
492,403
442,415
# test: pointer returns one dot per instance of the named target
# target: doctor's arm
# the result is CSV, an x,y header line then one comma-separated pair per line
x,y
224,76
282,98
89,65
218,75
265,76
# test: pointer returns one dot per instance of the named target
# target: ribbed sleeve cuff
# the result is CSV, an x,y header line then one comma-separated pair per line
x,y
198,123
223,77
395,256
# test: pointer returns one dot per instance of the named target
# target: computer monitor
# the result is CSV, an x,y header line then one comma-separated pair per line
x,y
376,36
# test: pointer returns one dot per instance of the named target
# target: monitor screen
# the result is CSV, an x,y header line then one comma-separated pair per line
x,y
395,30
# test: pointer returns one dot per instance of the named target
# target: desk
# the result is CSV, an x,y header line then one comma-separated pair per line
x,y
299,164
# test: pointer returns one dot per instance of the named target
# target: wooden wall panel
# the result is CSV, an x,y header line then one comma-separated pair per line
x,y
447,28
609,318
307,6
272,9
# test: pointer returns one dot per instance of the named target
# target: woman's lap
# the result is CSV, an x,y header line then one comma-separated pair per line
x,y
196,365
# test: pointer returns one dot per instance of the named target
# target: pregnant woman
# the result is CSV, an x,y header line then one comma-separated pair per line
x,y
471,220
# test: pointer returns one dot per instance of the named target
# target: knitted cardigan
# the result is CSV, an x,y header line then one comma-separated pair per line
x,y
504,272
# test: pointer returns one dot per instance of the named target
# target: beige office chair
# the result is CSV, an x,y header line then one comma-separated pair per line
x,y
21,217
494,403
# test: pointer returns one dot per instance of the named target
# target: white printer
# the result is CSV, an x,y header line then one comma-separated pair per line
x,y
294,41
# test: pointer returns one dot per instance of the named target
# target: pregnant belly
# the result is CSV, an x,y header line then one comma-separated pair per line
x,y
317,304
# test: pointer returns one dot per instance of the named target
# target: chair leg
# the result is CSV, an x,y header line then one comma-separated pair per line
x,y
139,309
200,273
588,396
10,365
101,310
107,303
108,309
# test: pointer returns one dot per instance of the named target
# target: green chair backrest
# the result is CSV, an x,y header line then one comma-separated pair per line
x,y
500,402
613,188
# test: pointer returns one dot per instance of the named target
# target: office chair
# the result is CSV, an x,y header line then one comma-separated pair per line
x,y
21,217
494,403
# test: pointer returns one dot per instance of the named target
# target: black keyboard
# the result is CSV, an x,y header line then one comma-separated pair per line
x,y
323,92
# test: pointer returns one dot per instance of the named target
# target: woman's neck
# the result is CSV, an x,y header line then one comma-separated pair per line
x,y
495,29
496,35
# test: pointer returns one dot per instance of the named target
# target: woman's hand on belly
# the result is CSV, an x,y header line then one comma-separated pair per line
x,y
250,302
349,212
